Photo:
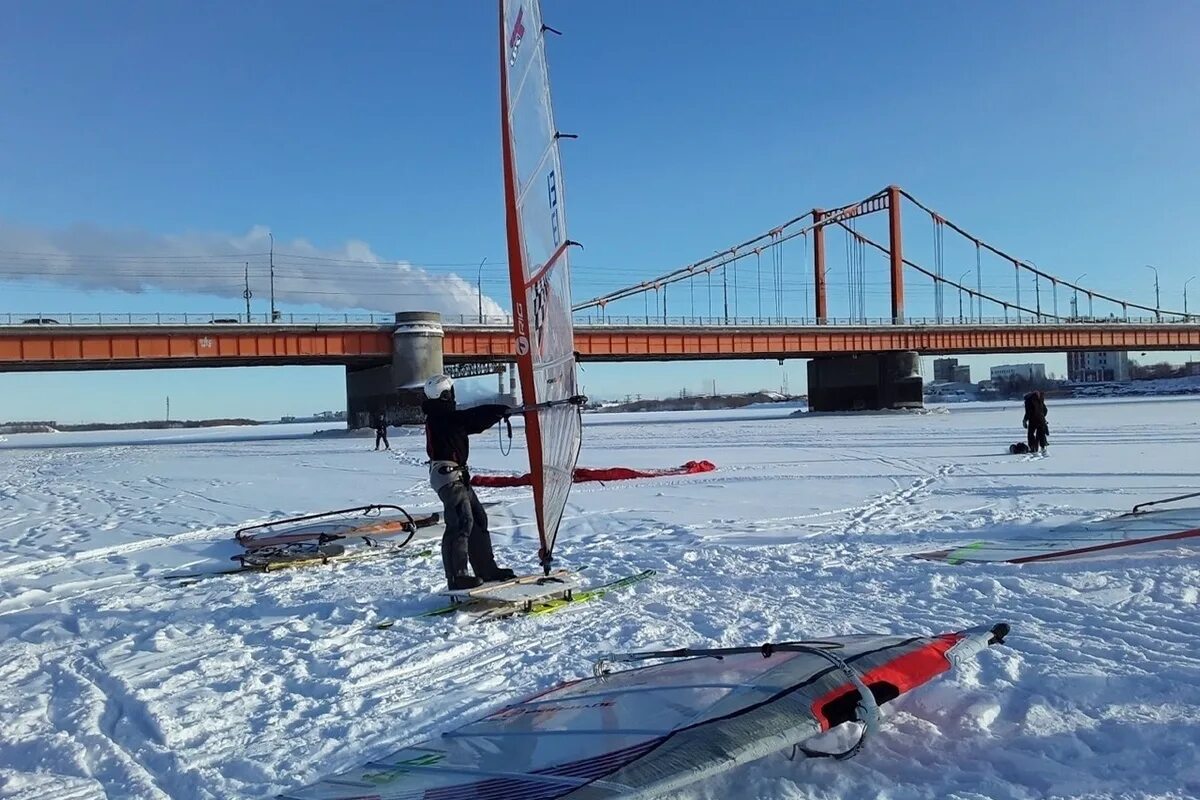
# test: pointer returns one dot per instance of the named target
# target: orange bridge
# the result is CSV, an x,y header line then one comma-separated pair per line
x,y
38,348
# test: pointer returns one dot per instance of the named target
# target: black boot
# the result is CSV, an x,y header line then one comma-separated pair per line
x,y
498,574
461,582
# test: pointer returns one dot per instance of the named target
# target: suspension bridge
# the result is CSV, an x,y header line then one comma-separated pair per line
x,y
836,285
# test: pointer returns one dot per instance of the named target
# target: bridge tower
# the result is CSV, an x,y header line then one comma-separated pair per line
x,y
890,379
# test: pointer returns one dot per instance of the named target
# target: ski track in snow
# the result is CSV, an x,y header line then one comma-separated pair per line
x,y
119,684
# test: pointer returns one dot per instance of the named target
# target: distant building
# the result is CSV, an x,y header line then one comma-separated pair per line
x,y
943,369
1024,372
1191,368
1089,366
962,373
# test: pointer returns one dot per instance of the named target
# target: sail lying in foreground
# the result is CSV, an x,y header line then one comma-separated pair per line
x,y
647,731
539,269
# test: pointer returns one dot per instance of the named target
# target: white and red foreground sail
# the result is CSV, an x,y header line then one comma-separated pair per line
x,y
654,729
539,266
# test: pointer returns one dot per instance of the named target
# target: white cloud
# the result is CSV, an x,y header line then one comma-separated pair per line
x,y
351,277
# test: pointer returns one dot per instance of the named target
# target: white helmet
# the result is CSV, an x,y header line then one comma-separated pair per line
x,y
436,386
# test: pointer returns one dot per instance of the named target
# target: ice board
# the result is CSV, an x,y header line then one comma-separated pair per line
x,y
523,589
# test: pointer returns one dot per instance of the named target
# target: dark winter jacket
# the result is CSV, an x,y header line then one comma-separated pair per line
x,y
447,428
1035,409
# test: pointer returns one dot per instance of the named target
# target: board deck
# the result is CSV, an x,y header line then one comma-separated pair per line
x,y
524,588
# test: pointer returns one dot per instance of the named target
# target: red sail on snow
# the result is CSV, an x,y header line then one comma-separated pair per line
x,y
584,474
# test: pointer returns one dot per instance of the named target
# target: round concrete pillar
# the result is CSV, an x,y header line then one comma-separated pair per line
x,y
416,348
901,380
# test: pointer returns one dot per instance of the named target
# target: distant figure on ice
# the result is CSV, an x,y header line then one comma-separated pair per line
x,y
381,432
467,540
1036,429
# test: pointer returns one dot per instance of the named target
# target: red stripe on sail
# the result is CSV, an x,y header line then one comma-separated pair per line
x,y
1188,534
905,672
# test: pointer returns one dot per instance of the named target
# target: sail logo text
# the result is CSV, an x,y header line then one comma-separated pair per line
x,y
518,711
514,40
522,330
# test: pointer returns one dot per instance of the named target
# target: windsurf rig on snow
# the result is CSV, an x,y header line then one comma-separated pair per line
x,y
1119,536
320,538
539,266
638,733
360,522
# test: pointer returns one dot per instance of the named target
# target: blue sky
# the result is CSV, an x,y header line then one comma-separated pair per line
x,y
161,137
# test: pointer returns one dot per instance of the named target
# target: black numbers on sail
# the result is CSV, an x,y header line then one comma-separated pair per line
x,y
541,297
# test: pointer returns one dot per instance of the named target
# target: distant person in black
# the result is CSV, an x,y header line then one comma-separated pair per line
x,y
381,432
466,540
1036,429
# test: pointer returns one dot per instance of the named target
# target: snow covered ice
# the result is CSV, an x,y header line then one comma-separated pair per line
x,y
119,684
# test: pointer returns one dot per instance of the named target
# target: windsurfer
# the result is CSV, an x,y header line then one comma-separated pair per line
x,y
447,431
381,431
1034,420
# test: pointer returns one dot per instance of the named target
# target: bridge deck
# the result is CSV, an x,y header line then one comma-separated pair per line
x,y
29,348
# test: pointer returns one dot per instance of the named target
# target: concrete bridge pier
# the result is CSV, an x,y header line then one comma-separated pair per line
x,y
869,381
397,389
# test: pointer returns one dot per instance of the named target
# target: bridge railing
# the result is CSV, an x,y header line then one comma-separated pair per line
x,y
587,320
191,318
872,322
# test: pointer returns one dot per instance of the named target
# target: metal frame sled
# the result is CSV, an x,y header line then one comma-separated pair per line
x,y
265,559
323,527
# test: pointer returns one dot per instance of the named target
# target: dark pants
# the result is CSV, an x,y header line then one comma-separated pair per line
x,y
381,434
466,539
1036,435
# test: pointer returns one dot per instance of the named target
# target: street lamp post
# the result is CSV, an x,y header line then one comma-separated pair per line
x,y
1157,302
1186,316
1077,280
479,288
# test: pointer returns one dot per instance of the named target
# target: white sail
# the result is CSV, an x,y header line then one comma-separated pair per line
x,y
643,732
539,269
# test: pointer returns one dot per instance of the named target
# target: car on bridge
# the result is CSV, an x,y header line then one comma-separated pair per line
x,y
39,321
224,321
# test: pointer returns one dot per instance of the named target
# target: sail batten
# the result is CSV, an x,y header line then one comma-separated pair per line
x,y
539,265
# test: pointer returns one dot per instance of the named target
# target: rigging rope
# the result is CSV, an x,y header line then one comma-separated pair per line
x,y
735,303
938,268
1017,268
782,276
978,284
803,272
758,267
